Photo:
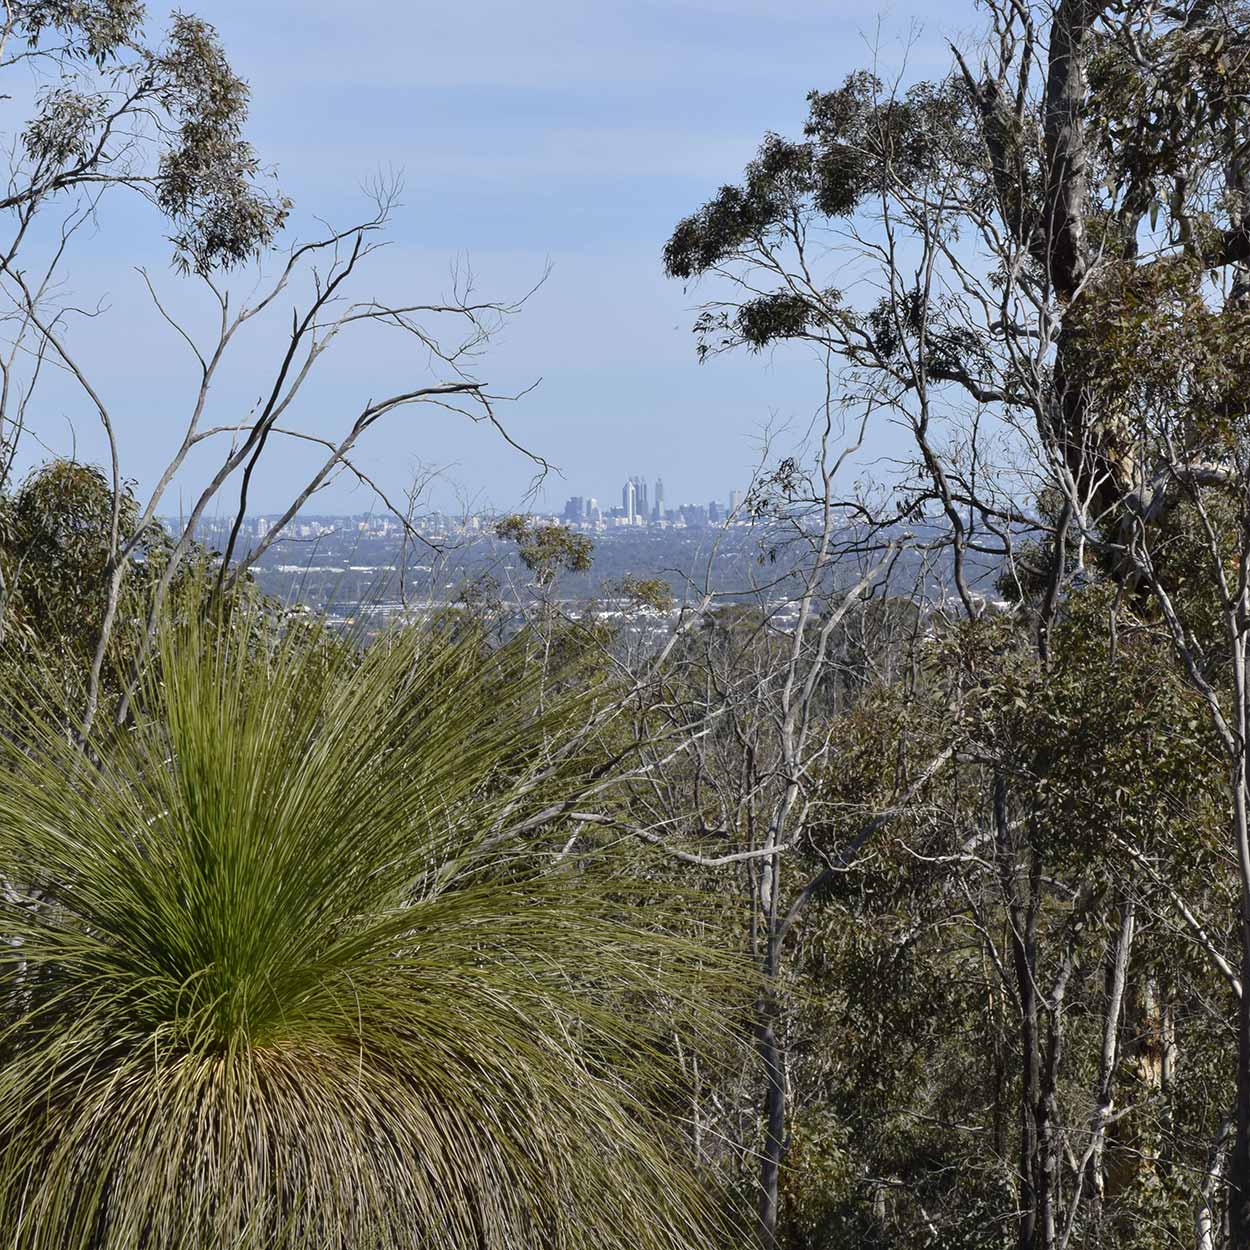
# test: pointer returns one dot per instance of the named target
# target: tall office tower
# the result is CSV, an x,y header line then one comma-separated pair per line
x,y
640,498
629,500
735,500
657,508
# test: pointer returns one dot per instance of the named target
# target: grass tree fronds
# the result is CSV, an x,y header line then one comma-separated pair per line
x,y
265,984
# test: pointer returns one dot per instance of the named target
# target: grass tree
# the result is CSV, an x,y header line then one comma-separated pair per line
x,y
276,974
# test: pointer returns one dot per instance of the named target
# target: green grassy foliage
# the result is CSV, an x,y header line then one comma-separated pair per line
x,y
271,975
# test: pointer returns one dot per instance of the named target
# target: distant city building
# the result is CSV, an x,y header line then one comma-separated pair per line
x,y
643,503
640,498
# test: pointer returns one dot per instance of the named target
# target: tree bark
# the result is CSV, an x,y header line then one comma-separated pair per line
x,y
773,1057
1239,1162
1116,979
1023,895
771,1048
1206,1221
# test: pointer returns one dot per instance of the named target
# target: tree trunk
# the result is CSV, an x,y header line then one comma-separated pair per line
x,y
1239,1163
773,1057
771,1049
1115,984
1023,895
1206,1216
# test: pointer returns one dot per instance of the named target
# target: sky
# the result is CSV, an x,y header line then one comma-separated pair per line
x,y
558,137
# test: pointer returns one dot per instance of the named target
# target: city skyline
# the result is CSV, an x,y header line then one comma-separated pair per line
x,y
644,505
585,512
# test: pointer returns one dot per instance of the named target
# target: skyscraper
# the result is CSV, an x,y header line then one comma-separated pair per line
x,y
657,509
640,498
629,500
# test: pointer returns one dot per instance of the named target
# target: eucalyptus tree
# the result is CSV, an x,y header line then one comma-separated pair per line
x,y
54,555
111,107
1037,265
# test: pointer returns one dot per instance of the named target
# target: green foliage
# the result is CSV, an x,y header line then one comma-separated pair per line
x,y
547,550
276,974
1120,743
166,118
855,137
643,592
1162,107
55,569
207,174
55,562
1159,359
93,29
860,142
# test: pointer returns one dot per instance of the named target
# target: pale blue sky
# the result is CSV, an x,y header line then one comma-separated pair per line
x,y
562,132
